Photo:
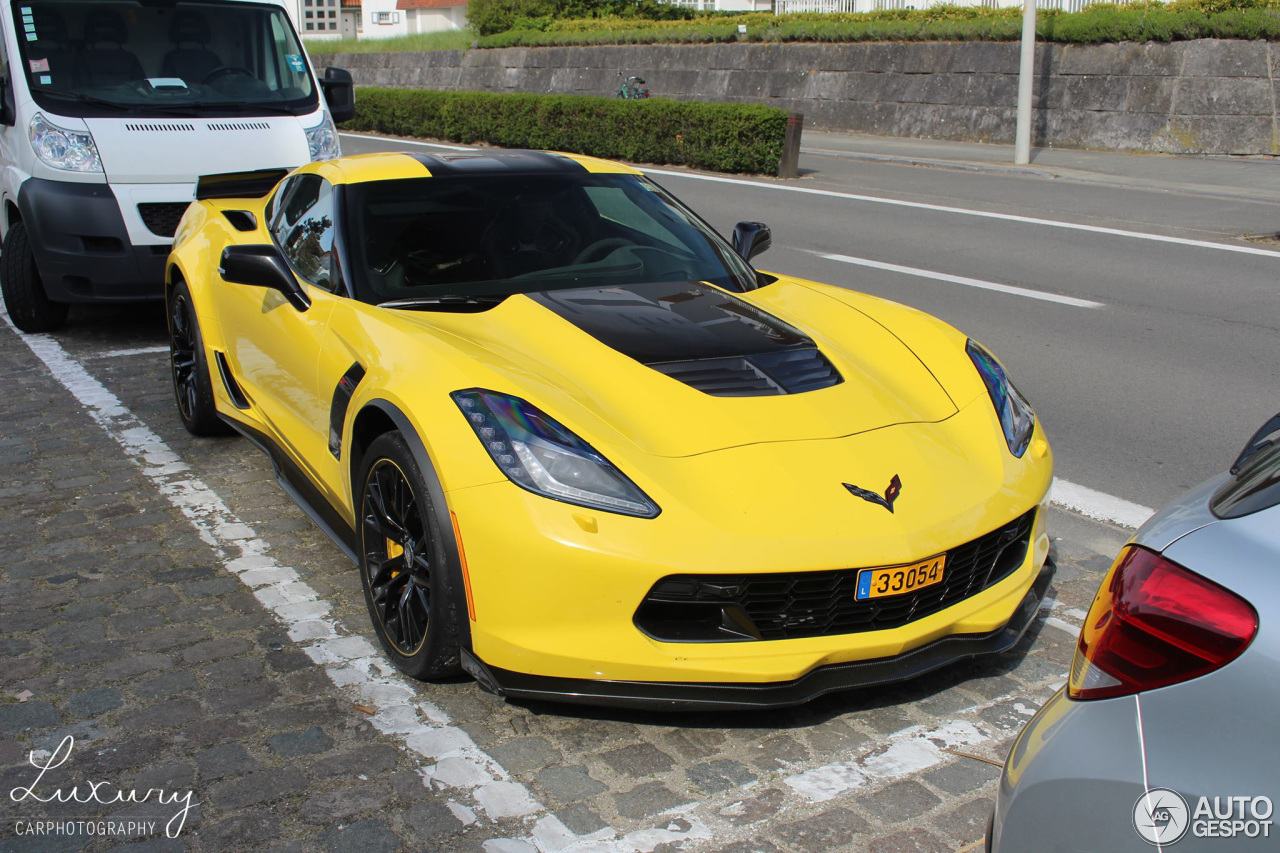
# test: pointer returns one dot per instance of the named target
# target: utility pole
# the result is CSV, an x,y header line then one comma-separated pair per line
x,y
1026,76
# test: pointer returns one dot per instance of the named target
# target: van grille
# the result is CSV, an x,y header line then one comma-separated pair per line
x,y
162,217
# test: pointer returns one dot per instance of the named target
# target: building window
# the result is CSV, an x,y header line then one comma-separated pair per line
x,y
310,25
386,17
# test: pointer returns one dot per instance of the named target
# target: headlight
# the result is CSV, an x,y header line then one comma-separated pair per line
x,y
1016,418
539,454
72,150
322,140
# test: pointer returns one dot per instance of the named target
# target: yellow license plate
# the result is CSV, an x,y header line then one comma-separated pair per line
x,y
898,580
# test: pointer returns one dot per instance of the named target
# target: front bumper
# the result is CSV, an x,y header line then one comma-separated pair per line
x,y
83,246
693,696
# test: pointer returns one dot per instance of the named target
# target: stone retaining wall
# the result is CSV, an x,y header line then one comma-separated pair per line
x,y
1203,96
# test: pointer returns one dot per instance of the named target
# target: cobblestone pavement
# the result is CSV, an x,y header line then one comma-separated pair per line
x,y
128,625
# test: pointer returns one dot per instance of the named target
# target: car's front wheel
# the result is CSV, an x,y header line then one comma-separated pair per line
x,y
29,307
192,386
403,565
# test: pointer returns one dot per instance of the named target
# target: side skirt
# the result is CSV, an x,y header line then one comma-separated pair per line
x,y
299,487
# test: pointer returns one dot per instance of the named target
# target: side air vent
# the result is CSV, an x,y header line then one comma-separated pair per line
x,y
790,371
239,125
160,127
238,398
241,220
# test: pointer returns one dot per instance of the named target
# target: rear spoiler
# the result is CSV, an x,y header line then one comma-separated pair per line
x,y
238,184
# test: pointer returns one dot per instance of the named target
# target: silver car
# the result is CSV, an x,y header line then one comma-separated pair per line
x,y
1168,731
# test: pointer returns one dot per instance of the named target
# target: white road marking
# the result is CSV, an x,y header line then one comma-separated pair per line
x,y
965,211
408,141
959,279
1062,625
1098,505
351,662
118,353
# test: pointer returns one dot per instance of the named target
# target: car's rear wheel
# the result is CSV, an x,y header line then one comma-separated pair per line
x,y
403,565
192,387
29,307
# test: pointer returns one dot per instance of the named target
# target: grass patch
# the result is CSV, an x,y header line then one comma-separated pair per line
x,y
720,137
444,40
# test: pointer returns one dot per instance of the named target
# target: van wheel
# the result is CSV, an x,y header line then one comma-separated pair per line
x,y
29,307
192,388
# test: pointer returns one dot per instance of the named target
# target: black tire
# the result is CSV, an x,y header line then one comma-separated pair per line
x,y
415,612
188,367
29,307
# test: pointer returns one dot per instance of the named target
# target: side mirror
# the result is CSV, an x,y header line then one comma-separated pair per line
x,y
8,115
340,93
751,238
262,266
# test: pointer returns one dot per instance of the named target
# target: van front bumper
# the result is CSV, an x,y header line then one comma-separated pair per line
x,y
82,246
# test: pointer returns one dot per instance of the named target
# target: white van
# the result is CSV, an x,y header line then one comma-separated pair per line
x,y
110,109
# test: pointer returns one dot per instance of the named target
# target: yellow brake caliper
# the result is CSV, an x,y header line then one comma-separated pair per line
x,y
394,549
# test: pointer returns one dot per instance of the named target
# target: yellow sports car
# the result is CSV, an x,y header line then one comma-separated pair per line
x,y
581,449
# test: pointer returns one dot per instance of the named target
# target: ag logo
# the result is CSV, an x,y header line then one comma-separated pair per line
x,y
1161,816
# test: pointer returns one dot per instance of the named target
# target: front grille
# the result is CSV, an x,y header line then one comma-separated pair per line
x,y
790,371
790,605
162,217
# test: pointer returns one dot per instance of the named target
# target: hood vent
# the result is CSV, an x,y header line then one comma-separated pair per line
x,y
160,127
239,125
763,374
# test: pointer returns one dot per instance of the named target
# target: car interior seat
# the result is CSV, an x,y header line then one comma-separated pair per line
x,y
191,59
105,62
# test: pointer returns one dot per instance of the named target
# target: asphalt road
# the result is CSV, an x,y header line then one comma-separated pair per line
x,y
1144,396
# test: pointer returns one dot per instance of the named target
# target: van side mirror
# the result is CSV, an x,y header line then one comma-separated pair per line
x,y
262,266
751,238
8,115
340,93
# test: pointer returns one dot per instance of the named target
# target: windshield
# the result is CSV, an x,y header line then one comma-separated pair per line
x,y
96,58
425,238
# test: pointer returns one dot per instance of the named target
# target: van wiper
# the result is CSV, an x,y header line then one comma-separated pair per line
x,y
84,99
446,301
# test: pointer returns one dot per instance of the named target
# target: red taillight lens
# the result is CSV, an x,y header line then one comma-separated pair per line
x,y
1154,623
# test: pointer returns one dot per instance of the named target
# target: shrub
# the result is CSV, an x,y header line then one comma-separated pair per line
x,y
721,137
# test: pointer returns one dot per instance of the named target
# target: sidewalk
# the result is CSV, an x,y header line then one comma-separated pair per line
x,y
1254,178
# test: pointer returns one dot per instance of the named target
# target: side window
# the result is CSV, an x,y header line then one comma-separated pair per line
x,y
302,225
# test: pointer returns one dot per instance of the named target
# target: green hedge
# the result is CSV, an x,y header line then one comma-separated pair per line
x,y
719,137
1101,22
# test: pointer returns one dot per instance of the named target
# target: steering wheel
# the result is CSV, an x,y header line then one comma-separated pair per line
x,y
598,247
226,71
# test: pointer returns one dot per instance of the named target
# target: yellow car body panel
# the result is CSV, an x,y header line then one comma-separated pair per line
x,y
746,485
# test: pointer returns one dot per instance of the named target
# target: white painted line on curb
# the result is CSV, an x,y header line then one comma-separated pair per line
x,y
407,141
352,663
1098,505
959,279
965,211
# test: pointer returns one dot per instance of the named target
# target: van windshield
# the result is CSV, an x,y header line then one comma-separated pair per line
x,y
95,58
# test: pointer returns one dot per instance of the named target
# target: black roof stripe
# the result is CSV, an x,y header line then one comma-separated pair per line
x,y
496,162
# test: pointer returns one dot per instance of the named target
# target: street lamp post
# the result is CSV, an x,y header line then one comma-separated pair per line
x,y
1026,75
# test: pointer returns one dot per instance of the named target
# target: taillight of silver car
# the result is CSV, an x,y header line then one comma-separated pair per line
x,y
1154,623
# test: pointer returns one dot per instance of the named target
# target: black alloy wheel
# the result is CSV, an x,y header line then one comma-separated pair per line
x,y
192,388
403,571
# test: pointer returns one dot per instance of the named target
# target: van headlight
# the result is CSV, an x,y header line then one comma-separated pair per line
x,y
322,140
1016,418
71,150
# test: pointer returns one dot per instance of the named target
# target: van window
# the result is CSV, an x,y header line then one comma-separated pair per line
x,y
303,227
193,58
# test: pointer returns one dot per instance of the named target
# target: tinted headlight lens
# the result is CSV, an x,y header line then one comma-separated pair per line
x,y
1016,418
538,453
